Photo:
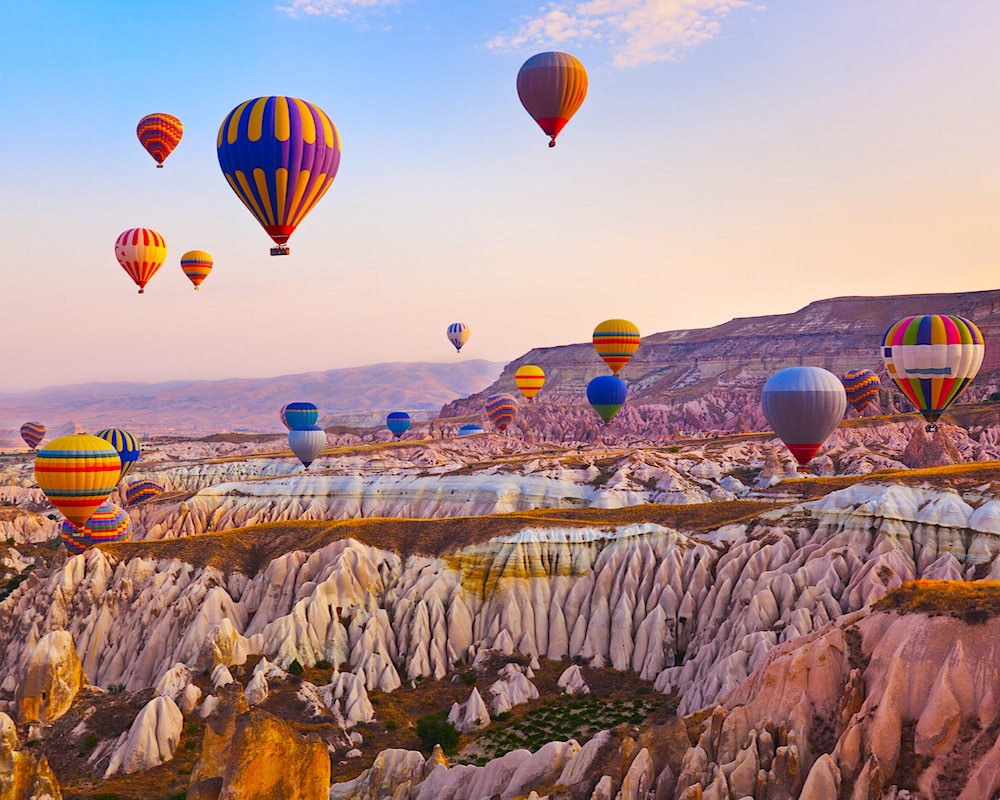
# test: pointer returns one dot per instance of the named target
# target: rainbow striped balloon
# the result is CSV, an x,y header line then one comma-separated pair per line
x,y
141,252
280,155
108,523
32,433
196,264
501,408
77,473
296,415
159,134
529,379
933,359
142,490
862,387
615,340
126,445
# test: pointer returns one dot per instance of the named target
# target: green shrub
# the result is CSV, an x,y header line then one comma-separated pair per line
x,y
469,678
435,729
116,688
90,741
390,724
295,668
323,664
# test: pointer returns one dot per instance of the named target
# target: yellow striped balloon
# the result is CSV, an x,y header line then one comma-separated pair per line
x,y
615,340
77,473
196,264
141,252
529,379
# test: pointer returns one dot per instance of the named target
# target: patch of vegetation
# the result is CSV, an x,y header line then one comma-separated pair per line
x,y
435,729
295,668
973,602
116,688
9,586
323,664
90,741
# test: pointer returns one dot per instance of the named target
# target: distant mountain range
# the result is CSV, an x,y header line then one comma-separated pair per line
x,y
359,396
709,379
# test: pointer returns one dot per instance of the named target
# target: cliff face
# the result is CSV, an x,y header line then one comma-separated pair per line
x,y
710,379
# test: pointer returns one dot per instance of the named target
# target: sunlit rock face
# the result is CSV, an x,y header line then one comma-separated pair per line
x,y
50,679
22,775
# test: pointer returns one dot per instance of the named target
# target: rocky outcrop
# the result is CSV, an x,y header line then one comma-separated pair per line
x,y
151,740
22,775
51,679
247,752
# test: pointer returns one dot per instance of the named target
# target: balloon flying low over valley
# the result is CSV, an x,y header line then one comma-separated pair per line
x,y
729,160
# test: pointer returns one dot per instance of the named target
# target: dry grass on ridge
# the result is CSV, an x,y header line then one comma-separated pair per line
x,y
248,549
973,602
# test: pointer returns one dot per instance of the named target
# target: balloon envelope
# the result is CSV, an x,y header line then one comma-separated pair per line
x,y
141,252
529,379
501,408
307,442
142,490
280,155
862,387
615,340
108,523
77,473
552,87
470,430
196,264
398,422
295,415
458,334
159,134
804,405
126,445
606,394
933,359
32,433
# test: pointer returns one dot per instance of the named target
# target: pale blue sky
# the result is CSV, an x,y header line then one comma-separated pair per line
x,y
731,159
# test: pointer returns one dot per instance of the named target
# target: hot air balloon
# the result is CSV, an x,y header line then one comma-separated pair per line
x,y
196,264
933,359
32,433
159,134
804,405
552,87
280,155
398,422
458,334
77,473
307,442
529,379
126,445
141,252
606,394
615,340
501,408
294,415
108,523
861,386
470,430
142,490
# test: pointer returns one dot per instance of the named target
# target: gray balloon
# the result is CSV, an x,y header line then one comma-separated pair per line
x,y
804,405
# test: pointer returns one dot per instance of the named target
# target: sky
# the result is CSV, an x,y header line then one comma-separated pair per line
x,y
731,159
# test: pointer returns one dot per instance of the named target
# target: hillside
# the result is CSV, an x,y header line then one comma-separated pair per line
x,y
709,379
354,396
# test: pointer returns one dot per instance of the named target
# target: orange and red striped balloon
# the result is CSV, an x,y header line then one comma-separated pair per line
x,y
196,264
615,340
529,379
159,134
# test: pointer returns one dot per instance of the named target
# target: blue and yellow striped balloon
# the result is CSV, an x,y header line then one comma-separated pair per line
x,y
126,445
196,264
280,155
142,490
501,408
296,415
108,523
77,473
32,433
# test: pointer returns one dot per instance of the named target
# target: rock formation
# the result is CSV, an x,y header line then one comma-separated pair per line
x,y
22,775
51,679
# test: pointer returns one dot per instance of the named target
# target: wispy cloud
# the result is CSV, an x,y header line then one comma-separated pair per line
x,y
639,31
342,9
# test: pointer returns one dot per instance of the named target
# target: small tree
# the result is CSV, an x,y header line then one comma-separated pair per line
x,y
435,729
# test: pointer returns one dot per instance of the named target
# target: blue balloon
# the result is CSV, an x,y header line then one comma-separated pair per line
x,y
470,430
398,422
607,394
